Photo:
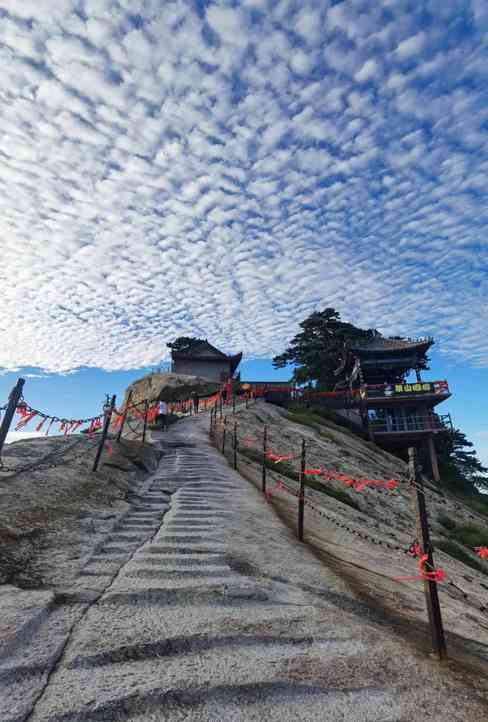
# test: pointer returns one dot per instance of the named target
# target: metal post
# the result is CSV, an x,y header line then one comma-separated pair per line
x,y
13,400
265,449
108,410
235,444
146,407
124,417
220,404
247,402
301,494
430,586
233,403
223,434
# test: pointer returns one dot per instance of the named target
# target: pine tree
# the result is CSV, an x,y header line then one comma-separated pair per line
x,y
318,349
459,465
183,343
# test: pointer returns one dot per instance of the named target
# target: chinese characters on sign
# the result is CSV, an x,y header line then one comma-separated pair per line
x,y
409,388
435,387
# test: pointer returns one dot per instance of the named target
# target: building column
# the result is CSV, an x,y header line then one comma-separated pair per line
x,y
433,458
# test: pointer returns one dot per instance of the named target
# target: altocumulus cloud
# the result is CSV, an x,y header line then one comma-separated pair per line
x,y
224,168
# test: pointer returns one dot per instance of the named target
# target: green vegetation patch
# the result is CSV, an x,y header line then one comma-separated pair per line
x,y
305,417
281,467
344,426
457,552
446,522
337,494
470,535
478,503
285,468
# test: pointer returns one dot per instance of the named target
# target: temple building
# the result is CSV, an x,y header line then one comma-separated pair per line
x,y
203,359
397,413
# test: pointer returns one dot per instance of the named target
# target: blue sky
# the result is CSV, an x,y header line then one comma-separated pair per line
x,y
82,394
225,168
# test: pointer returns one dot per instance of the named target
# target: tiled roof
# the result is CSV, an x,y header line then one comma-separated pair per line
x,y
381,343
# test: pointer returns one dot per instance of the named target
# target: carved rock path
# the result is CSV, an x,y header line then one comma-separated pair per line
x,y
201,605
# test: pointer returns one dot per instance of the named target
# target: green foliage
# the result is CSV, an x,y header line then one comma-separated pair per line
x,y
470,535
478,503
459,466
446,522
306,418
337,494
285,468
184,343
319,348
346,427
457,552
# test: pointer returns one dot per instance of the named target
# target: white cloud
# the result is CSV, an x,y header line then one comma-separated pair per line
x,y
368,71
228,23
300,62
411,46
166,172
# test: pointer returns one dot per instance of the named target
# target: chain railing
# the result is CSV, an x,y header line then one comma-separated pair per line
x,y
302,475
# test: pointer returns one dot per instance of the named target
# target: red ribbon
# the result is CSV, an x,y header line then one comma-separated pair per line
x,y
22,410
41,423
435,575
356,484
276,458
279,486
482,552
26,417
49,427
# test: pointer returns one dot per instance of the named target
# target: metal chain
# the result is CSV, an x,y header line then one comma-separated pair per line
x,y
368,537
40,463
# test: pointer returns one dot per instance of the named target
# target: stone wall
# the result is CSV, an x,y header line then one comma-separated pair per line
x,y
211,370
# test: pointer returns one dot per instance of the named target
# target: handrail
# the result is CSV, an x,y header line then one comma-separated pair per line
x,y
412,423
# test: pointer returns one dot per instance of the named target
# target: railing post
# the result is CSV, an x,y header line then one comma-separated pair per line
x,y
13,400
430,586
124,417
301,493
235,444
265,449
146,406
223,434
233,404
108,410
220,404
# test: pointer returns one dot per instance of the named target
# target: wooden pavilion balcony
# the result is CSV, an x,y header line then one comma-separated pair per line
x,y
412,424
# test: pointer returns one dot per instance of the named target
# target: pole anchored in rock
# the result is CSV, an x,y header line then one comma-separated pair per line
x,y
124,417
13,400
430,585
108,411
301,493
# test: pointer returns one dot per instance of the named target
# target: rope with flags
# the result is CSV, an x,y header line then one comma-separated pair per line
x,y
67,426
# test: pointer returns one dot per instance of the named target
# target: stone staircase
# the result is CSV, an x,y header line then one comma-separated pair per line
x,y
200,605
